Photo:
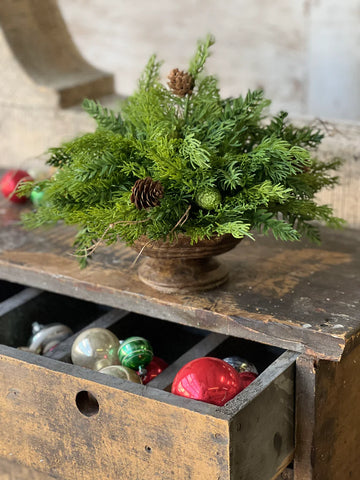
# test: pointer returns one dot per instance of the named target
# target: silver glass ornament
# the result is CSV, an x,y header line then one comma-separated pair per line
x,y
43,335
241,364
95,348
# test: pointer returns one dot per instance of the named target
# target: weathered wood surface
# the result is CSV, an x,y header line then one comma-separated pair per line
x,y
328,418
305,417
262,453
18,300
296,296
287,474
13,471
180,439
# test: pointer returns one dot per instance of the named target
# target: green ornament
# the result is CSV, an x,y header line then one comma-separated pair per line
x,y
135,352
36,196
208,198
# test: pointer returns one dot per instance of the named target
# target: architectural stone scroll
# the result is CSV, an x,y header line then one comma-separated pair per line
x,y
43,80
39,61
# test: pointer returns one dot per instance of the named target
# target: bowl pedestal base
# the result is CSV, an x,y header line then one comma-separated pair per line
x,y
182,275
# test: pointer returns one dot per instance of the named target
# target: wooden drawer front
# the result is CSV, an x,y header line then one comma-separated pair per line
x,y
137,432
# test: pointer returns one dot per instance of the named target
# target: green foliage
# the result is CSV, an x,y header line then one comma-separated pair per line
x,y
202,52
262,169
105,118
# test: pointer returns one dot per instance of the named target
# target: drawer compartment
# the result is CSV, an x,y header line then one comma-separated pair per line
x,y
74,423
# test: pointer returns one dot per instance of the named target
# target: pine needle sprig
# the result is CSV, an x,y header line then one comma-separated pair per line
x,y
105,118
202,53
150,74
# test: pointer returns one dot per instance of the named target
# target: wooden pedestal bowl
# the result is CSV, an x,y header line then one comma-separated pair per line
x,y
180,267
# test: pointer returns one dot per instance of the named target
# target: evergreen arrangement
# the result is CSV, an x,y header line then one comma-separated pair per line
x,y
178,158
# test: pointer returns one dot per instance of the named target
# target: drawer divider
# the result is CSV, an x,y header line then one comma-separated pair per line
x,y
62,350
201,349
18,300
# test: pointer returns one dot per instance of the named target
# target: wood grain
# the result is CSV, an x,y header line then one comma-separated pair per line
x,y
328,418
305,417
14,471
18,300
295,296
138,432
337,419
165,437
262,453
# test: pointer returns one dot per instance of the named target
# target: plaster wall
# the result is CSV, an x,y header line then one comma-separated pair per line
x,y
304,53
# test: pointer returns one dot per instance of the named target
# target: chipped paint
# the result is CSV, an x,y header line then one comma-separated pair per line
x,y
279,275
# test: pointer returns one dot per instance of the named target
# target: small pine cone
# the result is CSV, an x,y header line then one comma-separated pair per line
x,y
180,83
146,193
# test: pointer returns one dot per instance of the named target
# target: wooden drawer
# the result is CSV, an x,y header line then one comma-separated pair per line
x,y
74,423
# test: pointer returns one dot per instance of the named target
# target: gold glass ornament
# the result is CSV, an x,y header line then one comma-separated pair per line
x,y
95,348
122,372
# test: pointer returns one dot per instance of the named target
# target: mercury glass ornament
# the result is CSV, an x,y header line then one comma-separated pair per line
x,y
241,364
135,352
95,348
44,336
120,371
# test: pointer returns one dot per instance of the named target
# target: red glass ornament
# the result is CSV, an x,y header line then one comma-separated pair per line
x,y
246,378
153,369
207,379
9,183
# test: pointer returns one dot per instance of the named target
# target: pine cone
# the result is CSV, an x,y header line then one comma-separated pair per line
x,y
180,83
146,193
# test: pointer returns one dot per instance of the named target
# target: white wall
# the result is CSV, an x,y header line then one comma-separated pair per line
x,y
305,53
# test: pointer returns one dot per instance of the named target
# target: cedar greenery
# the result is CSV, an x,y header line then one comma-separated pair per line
x,y
263,169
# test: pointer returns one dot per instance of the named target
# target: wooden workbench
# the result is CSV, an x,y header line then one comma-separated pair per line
x,y
296,296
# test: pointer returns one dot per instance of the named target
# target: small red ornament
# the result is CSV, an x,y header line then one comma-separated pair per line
x,y
246,378
153,369
207,379
9,183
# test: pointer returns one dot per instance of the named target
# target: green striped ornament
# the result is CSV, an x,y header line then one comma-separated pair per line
x,y
135,352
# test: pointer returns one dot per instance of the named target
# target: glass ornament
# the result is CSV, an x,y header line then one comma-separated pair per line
x,y
135,352
95,348
122,372
36,196
46,337
246,378
207,379
9,183
241,364
152,370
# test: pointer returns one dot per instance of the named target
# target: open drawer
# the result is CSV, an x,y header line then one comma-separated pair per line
x,y
74,423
